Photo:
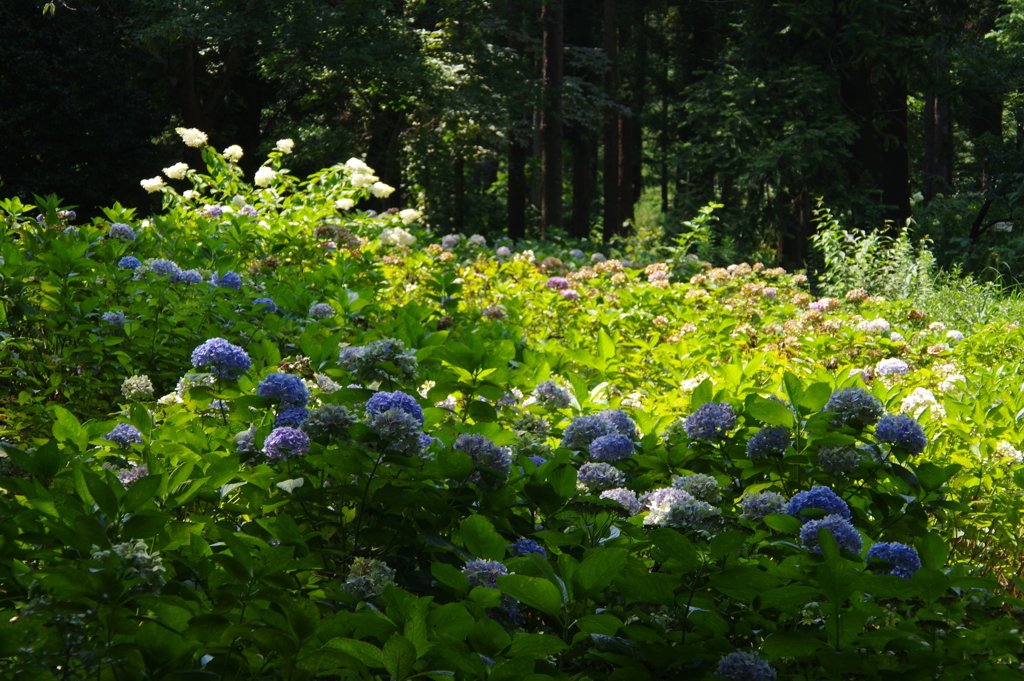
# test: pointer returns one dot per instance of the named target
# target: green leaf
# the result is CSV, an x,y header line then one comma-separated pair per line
x,y
536,645
535,592
647,587
481,539
488,637
725,543
678,547
141,491
769,412
367,653
598,569
605,345
454,464
790,644
145,524
65,425
102,494
781,522
932,550
838,580
702,394
450,575
399,656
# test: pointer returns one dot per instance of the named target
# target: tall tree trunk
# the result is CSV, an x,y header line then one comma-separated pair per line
x,y
551,116
582,184
459,170
518,148
612,215
938,147
895,162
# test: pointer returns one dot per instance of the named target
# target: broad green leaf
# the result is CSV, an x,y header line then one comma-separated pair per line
x,y
481,539
399,656
535,592
770,412
598,569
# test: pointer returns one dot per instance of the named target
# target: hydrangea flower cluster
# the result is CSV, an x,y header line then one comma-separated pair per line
x,y
659,502
698,486
484,572
292,417
114,318
902,431
229,280
902,560
284,442
285,390
485,454
892,366
132,474
163,267
321,311
768,442
596,477
745,665
129,262
550,396
226,360
523,546
694,515
623,424
821,498
838,459
399,430
584,430
626,497
362,362
383,401
855,406
845,533
711,421
368,577
124,434
916,402
615,447
121,231
558,283
137,389
265,305
759,504
328,422
136,561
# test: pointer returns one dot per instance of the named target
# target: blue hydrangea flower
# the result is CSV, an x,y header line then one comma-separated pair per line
x,y
538,461
285,442
550,396
124,434
523,546
745,665
585,429
121,231
264,305
892,367
328,421
768,442
321,311
383,401
845,533
902,431
756,506
115,318
693,515
902,559
286,390
399,429
129,262
131,475
485,454
292,417
611,448
364,364
821,498
596,477
248,211
626,497
711,421
163,267
484,572
623,424
187,277
855,406
229,280
698,486
227,360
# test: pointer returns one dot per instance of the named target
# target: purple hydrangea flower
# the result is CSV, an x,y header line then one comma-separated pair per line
x,y
745,665
699,486
115,318
902,431
213,211
227,360
483,572
768,442
133,474
248,211
121,231
503,251
188,277
485,454
292,417
626,497
285,442
611,448
286,390
522,547
129,262
321,311
559,283
711,421
584,430
902,559
845,533
570,294
821,498
382,401
550,396
124,434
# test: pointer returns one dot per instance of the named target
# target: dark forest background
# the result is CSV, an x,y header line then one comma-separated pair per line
x,y
547,119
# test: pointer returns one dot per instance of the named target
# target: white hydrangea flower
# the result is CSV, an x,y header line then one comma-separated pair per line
x,y
285,146
690,384
874,326
177,171
233,153
356,166
524,256
153,184
478,241
190,194
381,190
169,399
1006,450
953,383
396,236
264,176
360,179
955,336
344,204
410,215
919,400
193,137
